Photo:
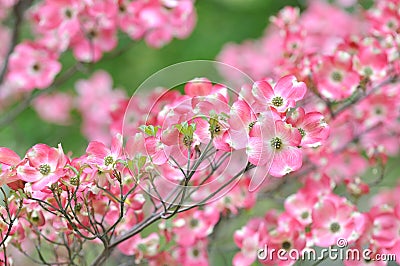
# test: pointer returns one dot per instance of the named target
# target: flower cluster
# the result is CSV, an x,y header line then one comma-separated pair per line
x,y
336,55
184,144
89,29
315,216
62,197
351,72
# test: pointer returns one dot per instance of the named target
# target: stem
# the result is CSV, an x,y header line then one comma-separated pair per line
x,y
360,96
101,259
247,168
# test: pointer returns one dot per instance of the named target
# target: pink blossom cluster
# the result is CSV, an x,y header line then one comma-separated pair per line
x,y
52,181
55,108
334,50
96,101
252,128
351,72
89,29
316,216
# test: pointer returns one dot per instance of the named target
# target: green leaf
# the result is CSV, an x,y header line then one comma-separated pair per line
x,y
186,129
149,130
141,161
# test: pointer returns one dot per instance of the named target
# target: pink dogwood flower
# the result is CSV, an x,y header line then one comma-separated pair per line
x,y
45,166
103,157
312,127
9,161
335,218
241,120
335,77
32,66
249,239
284,95
54,108
278,143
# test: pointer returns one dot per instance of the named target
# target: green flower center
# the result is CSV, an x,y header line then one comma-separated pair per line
x,y
74,180
122,8
44,169
195,252
36,67
108,160
68,13
215,127
390,24
193,223
286,245
277,101
307,229
251,125
92,34
276,143
336,76
304,215
368,71
335,227
302,132
187,141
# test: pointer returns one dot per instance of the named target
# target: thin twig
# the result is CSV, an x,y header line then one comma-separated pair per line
x,y
362,96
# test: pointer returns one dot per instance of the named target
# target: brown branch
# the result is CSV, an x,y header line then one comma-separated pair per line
x,y
362,96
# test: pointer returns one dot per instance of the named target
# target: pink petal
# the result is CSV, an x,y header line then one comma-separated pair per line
x,y
43,154
323,213
198,87
45,181
157,151
262,91
8,157
98,149
258,151
240,115
243,260
135,145
116,145
285,161
238,139
296,117
289,88
28,173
